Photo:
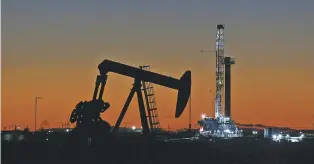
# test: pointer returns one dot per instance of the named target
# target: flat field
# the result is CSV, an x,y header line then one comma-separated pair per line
x,y
139,150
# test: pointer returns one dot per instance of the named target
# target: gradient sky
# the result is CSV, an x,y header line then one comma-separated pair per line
x,y
52,48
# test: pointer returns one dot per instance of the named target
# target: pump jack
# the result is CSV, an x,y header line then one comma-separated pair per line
x,y
183,85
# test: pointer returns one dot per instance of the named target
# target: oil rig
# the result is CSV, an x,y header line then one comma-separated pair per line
x,y
221,125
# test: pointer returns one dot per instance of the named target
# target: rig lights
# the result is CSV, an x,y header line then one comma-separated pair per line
x,y
203,116
227,131
201,129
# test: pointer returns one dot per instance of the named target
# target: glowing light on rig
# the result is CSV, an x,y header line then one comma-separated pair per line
x,y
201,129
227,131
203,116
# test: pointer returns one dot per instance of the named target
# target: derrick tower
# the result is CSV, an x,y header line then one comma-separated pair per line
x,y
219,106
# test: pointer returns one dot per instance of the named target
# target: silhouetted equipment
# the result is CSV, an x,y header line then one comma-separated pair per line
x,y
87,114
151,103
228,62
183,86
94,107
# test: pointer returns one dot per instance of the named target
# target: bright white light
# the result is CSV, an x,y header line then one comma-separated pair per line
x,y
227,131
203,116
46,139
133,127
294,140
67,130
279,136
201,129
302,135
287,136
274,137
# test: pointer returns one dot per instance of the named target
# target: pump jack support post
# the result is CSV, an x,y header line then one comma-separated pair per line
x,y
136,88
100,80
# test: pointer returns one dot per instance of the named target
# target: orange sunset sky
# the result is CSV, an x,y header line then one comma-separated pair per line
x,y
52,49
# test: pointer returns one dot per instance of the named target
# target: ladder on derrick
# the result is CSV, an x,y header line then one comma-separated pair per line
x,y
151,104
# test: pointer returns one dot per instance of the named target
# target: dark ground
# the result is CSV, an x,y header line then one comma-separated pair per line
x,y
138,150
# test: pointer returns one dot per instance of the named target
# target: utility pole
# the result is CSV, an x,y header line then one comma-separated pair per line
x,y
190,114
36,100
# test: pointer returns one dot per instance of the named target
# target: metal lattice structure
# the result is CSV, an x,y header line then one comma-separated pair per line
x,y
219,72
222,125
151,104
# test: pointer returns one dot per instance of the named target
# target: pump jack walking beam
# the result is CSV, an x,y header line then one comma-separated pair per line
x,y
183,85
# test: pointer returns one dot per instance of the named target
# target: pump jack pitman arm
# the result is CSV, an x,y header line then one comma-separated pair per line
x,y
183,85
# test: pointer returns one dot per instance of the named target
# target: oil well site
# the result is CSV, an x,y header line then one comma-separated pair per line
x,y
219,139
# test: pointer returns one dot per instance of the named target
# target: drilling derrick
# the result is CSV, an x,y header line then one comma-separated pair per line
x,y
222,125
150,102
219,72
